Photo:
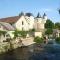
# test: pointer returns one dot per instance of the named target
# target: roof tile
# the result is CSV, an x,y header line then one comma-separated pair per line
x,y
10,19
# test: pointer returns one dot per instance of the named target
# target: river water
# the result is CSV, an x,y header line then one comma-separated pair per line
x,y
33,52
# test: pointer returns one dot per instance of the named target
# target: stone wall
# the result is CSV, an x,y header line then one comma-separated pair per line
x,y
4,47
38,34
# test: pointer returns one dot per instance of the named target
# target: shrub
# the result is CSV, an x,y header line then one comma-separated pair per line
x,y
57,40
3,32
20,33
23,33
38,40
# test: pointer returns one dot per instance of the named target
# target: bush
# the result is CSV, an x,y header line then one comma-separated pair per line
x,y
57,40
20,33
38,40
3,32
23,33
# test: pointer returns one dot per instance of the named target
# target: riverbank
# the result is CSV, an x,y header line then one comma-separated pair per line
x,y
6,46
14,44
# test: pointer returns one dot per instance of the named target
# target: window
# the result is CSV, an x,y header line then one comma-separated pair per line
x,y
22,23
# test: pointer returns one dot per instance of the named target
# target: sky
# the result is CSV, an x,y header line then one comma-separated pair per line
x,y
10,8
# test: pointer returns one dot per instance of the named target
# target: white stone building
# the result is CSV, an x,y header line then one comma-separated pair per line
x,y
25,22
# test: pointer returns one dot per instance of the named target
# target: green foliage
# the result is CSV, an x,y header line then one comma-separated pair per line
x,y
57,40
20,33
3,32
49,31
57,25
49,24
32,30
15,33
38,40
23,33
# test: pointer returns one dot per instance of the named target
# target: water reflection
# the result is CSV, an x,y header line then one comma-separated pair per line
x,y
34,52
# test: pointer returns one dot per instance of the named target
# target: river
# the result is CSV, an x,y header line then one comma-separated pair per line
x,y
33,52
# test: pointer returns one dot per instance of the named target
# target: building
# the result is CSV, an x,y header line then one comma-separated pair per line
x,y
6,26
39,23
4,29
56,33
26,22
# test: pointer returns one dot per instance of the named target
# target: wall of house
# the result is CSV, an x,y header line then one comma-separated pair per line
x,y
25,23
31,23
22,24
39,24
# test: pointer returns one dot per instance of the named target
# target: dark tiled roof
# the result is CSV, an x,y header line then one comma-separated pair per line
x,y
29,14
10,19
38,15
7,26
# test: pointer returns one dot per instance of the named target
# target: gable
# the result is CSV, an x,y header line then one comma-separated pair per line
x,y
22,24
21,19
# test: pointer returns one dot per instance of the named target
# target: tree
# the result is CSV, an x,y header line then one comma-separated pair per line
x,y
49,31
57,25
49,24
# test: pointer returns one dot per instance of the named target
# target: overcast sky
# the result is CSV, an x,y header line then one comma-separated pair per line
x,y
14,7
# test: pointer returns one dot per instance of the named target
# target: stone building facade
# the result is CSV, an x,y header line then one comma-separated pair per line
x,y
26,22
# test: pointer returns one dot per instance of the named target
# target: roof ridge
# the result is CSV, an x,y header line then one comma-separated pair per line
x,y
9,17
